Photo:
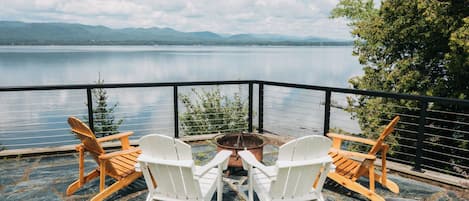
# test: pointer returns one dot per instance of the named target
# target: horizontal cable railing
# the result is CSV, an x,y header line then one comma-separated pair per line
x,y
433,132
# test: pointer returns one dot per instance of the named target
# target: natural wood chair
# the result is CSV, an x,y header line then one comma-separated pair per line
x,y
298,174
119,165
349,170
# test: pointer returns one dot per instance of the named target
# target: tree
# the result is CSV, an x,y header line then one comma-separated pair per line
x,y
212,112
414,47
105,122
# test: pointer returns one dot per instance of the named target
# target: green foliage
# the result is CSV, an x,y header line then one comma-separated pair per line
x,y
212,112
104,120
414,47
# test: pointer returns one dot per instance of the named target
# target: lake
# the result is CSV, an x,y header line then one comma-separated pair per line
x,y
31,119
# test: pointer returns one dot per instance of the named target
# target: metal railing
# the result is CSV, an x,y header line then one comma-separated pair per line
x,y
429,137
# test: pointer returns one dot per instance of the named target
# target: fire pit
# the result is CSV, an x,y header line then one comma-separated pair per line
x,y
239,141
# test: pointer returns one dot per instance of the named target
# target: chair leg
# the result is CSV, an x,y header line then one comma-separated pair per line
x,y
102,176
116,186
347,183
250,184
393,187
372,177
220,183
77,184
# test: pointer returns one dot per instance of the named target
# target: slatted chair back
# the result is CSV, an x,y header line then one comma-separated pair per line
x,y
86,136
380,141
296,175
379,145
174,167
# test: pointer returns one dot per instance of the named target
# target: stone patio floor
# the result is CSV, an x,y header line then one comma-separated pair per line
x,y
47,177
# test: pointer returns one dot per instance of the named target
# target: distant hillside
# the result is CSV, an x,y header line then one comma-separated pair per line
x,y
20,33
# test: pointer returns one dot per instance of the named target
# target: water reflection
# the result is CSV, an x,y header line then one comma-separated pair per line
x,y
40,117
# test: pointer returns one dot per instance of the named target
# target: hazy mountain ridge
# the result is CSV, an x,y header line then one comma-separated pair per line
x,y
20,33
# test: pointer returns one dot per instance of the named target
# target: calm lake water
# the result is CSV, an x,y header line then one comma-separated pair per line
x,y
32,119
45,65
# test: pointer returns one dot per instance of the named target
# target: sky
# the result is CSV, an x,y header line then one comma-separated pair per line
x,y
286,17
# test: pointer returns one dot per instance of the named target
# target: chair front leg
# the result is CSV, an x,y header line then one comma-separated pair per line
x,y
102,175
81,165
250,184
371,171
220,183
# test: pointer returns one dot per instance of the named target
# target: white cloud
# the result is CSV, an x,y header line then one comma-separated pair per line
x,y
300,17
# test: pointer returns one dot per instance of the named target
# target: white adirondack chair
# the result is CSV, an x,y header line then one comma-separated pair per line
x,y
170,172
298,174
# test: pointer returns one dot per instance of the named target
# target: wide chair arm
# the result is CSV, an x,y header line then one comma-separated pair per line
x,y
338,138
123,137
352,154
249,160
320,160
119,153
220,160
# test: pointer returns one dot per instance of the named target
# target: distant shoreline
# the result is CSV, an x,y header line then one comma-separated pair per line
x,y
22,33
319,44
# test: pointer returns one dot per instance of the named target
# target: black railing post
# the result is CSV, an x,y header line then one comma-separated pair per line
x,y
327,111
420,136
250,108
176,113
260,117
89,103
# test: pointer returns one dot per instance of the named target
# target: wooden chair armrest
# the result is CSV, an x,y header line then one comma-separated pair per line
x,y
123,137
119,153
250,160
351,138
220,159
351,153
114,137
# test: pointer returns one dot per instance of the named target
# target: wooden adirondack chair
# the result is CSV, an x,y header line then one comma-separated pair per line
x,y
169,161
348,170
119,165
298,174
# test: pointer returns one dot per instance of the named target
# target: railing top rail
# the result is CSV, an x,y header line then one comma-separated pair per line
x,y
230,82
370,93
122,85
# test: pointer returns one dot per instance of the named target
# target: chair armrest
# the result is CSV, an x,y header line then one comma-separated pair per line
x,y
351,138
220,159
250,160
321,160
119,153
181,163
123,137
351,153
114,137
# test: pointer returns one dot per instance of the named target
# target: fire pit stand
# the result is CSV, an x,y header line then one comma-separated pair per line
x,y
239,141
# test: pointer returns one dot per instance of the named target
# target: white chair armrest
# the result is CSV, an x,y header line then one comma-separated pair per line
x,y
220,159
182,163
250,160
324,159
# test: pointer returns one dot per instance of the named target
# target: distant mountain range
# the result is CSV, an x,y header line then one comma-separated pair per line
x,y
21,33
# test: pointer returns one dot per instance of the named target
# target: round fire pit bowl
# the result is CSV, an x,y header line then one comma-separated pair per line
x,y
239,141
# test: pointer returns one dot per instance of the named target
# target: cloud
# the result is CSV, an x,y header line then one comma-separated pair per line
x,y
300,17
